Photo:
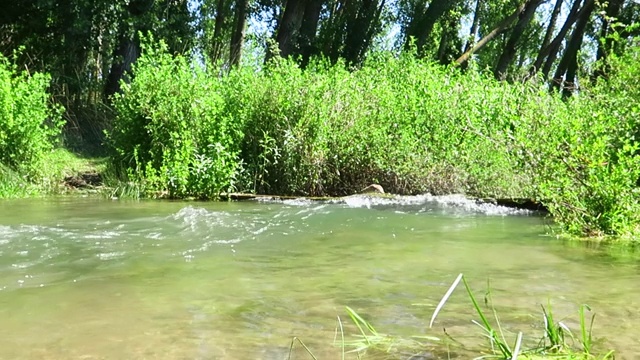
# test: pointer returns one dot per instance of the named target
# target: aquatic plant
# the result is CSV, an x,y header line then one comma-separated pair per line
x,y
554,342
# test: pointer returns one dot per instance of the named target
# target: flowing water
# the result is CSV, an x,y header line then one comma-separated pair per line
x,y
99,279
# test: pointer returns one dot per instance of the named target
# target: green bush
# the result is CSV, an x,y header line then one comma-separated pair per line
x,y
411,126
592,168
170,132
29,127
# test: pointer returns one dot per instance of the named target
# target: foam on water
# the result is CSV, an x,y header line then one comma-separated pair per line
x,y
456,203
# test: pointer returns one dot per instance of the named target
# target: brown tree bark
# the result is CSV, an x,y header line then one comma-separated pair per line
x,y
289,27
605,46
309,29
222,12
475,25
127,53
552,23
361,25
551,51
128,50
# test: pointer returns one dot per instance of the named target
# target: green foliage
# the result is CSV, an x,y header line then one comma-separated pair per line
x,y
170,131
29,127
591,164
554,340
411,126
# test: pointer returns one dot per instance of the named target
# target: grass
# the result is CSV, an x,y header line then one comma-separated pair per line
x,y
557,341
59,165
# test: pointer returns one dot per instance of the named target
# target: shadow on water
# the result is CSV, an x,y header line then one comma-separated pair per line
x,y
91,278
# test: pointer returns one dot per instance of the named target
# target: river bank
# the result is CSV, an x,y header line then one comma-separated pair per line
x,y
411,126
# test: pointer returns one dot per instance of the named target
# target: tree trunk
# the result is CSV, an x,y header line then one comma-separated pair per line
x,y
450,42
495,32
289,27
128,50
568,66
309,29
473,32
126,54
509,50
237,38
361,25
222,12
551,51
552,24
422,24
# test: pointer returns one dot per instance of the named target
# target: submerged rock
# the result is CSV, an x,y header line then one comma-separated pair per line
x,y
373,188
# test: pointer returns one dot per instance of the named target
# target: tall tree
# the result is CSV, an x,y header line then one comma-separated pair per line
x,y
475,24
362,24
509,50
611,14
422,21
309,30
237,38
565,75
128,49
289,27
550,51
500,28
450,41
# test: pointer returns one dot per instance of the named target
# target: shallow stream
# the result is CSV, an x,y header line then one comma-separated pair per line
x,y
84,278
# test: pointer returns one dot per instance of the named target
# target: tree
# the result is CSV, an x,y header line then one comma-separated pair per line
x,y
605,47
509,50
289,27
128,50
422,20
501,27
565,75
237,38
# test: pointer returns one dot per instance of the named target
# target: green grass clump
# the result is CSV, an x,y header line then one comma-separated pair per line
x,y
557,341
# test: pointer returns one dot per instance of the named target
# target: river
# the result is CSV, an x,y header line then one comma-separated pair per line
x,y
89,278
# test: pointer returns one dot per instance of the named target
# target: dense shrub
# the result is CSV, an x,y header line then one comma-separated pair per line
x,y
171,133
409,125
29,127
591,173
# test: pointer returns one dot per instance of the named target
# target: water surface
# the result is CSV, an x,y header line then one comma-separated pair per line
x,y
98,279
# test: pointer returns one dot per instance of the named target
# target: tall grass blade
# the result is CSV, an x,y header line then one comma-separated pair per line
x,y
445,298
342,337
489,302
303,345
553,332
516,349
504,348
360,322
585,333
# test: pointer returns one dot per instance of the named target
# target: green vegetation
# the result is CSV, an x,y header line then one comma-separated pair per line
x,y
29,130
328,96
410,125
557,340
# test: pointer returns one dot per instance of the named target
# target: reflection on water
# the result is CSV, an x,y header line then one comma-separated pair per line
x,y
96,279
